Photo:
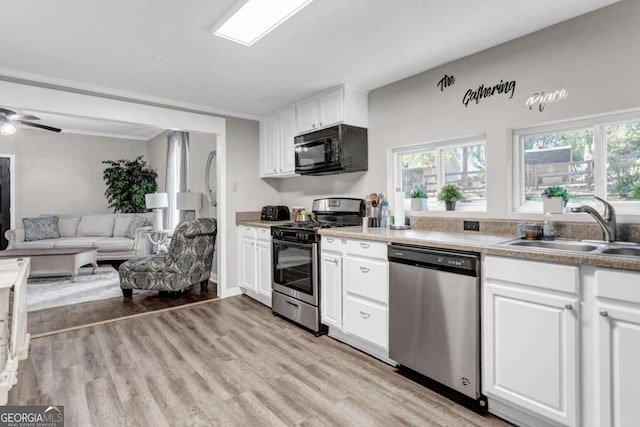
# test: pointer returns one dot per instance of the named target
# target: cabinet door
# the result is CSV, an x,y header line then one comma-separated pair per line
x,y
307,115
531,350
331,106
248,268
287,134
269,145
331,290
619,377
263,270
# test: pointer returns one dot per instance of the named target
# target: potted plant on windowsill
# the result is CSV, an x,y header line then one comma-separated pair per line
x,y
555,199
418,200
449,194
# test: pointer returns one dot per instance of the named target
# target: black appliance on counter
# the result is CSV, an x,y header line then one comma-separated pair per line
x,y
296,260
275,213
337,149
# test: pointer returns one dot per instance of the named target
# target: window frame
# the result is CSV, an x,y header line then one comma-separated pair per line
x,y
439,147
598,126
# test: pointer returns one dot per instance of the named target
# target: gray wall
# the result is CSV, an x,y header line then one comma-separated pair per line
x,y
61,173
594,57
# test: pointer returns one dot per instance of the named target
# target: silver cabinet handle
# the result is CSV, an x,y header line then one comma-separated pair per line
x,y
332,261
364,269
275,170
604,313
569,306
330,240
320,123
364,245
364,315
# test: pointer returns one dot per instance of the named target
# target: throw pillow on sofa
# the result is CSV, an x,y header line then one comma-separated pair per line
x,y
135,223
40,228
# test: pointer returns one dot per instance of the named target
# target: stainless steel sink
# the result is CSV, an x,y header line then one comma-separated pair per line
x,y
595,247
621,251
573,245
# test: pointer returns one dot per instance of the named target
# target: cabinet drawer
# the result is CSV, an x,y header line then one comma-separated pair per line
x,y
367,278
248,232
555,277
263,233
617,284
367,321
330,243
367,248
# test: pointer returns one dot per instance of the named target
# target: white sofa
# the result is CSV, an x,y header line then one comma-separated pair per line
x,y
105,232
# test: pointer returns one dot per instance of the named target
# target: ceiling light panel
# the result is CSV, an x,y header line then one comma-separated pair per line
x,y
251,20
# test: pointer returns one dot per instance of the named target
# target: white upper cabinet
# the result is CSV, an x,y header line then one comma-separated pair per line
x,y
277,158
339,105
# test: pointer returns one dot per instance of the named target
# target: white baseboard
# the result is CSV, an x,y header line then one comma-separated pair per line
x,y
226,293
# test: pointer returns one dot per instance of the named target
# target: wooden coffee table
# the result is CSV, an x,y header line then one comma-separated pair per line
x,y
69,259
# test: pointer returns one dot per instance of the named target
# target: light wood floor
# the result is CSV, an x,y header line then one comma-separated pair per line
x,y
223,362
70,316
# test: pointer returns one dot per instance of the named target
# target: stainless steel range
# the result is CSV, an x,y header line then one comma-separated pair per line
x,y
296,260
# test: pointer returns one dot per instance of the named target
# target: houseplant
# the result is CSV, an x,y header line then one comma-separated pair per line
x,y
127,183
418,200
554,200
449,193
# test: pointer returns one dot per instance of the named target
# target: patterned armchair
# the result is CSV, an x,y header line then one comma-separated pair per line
x,y
187,262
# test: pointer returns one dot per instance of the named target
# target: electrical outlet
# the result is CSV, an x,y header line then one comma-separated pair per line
x,y
471,226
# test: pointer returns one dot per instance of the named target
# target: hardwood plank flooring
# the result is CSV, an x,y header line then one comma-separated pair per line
x,y
224,362
54,319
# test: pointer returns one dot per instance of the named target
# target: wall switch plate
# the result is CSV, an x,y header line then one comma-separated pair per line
x,y
471,226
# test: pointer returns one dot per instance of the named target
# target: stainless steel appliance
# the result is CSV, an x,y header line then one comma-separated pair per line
x,y
296,276
337,149
274,213
434,318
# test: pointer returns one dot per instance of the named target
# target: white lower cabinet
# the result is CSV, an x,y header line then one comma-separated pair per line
x,y
331,288
355,293
255,263
561,343
530,341
617,311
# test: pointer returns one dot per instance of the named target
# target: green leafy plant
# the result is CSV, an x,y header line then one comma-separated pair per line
x,y
418,193
556,191
450,192
635,190
127,183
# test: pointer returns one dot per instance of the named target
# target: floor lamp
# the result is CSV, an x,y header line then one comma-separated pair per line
x,y
189,203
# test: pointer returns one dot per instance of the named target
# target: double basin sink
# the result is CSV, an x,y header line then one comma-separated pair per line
x,y
591,247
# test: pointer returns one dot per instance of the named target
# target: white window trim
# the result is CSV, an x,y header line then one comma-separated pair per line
x,y
597,124
438,147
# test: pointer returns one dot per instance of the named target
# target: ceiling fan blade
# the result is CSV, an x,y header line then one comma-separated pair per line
x,y
36,125
21,117
6,112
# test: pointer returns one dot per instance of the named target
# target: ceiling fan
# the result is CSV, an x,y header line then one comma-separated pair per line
x,y
8,117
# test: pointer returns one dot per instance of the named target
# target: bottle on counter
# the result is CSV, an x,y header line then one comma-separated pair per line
x,y
384,213
548,233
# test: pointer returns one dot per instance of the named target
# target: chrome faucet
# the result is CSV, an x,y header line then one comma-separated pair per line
x,y
607,221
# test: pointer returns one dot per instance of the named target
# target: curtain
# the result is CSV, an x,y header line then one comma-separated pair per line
x,y
177,178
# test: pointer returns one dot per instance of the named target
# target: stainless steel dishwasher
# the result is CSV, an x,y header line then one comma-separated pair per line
x,y
434,318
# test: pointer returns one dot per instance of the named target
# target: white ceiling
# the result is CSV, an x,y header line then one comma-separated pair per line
x,y
161,50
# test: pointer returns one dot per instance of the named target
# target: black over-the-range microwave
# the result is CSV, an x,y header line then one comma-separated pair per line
x,y
338,149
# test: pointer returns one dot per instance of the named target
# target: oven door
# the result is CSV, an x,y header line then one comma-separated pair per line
x,y
295,270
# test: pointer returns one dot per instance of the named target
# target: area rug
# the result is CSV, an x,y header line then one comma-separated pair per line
x,y
48,292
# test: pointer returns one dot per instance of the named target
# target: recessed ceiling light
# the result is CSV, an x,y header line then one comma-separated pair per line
x,y
250,20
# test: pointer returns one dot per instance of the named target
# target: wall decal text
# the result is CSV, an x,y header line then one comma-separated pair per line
x,y
542,98
508,88
446,81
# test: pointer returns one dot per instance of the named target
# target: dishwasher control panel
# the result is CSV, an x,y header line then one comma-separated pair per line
x,y
464,263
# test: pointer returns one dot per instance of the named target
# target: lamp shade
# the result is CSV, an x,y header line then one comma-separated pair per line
x,y
156,200
189,201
